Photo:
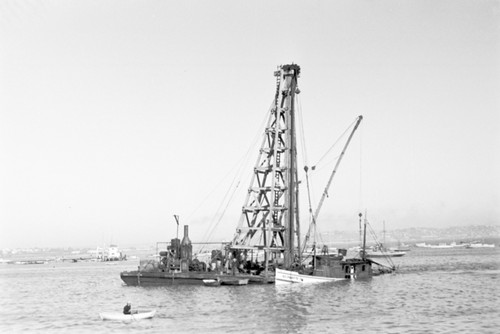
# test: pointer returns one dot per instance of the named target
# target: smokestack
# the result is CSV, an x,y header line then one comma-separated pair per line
x,y
186,247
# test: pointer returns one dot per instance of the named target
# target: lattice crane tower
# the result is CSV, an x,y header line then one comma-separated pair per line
x,y
269,219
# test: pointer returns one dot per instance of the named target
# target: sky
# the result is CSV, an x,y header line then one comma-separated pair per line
x,y
116,115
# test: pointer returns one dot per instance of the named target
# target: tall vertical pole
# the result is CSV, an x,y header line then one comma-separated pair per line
x,y
291,72
360,231
364,241
177,221
384,233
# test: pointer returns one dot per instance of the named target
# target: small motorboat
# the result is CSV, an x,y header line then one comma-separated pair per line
x,y
211,282
235,281
127,317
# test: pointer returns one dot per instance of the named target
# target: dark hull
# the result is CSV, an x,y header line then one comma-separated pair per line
x,y
135,278
331,266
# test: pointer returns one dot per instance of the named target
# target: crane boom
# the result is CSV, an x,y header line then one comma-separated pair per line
x,y
325,192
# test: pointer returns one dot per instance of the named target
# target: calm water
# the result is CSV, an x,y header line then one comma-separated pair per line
x,y
436,291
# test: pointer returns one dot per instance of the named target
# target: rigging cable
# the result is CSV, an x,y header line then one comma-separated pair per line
x,y
308,183
316,234
387,257
312,225
360,199
334,144
302,132
242,162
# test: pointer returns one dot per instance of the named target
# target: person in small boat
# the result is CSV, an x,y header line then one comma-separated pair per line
x,y
128,309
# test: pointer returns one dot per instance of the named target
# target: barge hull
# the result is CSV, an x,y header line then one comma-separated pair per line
x,y
135,278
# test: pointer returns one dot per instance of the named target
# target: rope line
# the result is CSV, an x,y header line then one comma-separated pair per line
x,y
335,143
239,167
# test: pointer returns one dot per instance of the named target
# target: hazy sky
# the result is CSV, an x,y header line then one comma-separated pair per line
x,y
115,115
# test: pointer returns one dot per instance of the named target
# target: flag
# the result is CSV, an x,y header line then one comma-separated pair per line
x,y
177,219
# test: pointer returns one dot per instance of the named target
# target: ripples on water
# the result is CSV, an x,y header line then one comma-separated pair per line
x,y
436,291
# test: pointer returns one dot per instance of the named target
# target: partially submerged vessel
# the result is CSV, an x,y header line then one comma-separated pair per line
x,y
290,276
270,221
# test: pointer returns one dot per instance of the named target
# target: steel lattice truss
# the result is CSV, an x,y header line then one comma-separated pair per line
x,y
268,217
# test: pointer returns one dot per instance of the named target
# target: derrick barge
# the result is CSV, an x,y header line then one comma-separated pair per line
x,y
269,227
175,266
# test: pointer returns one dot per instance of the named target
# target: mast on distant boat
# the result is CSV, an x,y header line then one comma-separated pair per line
x,y
384,233
363,251
360,231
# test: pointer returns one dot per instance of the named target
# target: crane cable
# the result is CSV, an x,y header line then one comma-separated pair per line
x,y
312,225
387,257
231,190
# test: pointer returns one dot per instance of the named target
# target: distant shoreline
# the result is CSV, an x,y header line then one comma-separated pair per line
x,y
61,255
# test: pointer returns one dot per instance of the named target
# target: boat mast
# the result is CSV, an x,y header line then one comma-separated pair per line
x,y
363,252
384,232
360,231
269,217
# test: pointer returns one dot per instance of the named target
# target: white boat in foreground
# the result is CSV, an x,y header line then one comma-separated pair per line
x,y
127,317
286,277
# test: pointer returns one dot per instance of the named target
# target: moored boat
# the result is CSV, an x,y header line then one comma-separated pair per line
x,y
480,245
379,251
211,282
234,281
442,245
445,245
382,254
401,248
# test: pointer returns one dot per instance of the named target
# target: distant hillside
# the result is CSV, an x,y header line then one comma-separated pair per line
x,y
408,235
457,232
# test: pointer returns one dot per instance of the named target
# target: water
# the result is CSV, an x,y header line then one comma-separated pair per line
x,y
437,291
